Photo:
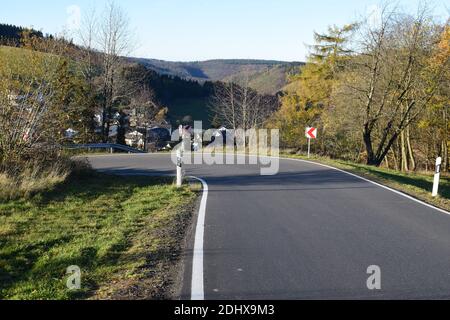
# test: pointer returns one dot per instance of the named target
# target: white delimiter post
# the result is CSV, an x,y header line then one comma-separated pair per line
x,y
437,177
179,169
180,158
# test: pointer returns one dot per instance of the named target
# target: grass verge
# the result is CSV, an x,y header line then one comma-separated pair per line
x,y
417,185
124,233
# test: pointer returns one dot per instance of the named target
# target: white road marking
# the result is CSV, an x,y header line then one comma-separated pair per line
x,y
372,182
198,281
359,177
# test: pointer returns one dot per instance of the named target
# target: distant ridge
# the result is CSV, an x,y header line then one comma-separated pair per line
x,y
266,76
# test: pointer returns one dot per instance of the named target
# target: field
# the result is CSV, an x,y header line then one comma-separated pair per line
x,y
8,51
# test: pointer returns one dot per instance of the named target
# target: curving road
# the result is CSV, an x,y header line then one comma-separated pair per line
x,y
309,232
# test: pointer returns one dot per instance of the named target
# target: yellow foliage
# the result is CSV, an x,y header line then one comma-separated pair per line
x,y
443,49
292,119
161,116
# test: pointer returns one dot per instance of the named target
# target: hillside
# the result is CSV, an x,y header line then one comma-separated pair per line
x,y
266,76
187,98
270,81
10,34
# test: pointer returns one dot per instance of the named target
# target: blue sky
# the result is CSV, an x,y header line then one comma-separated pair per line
x,y
191,30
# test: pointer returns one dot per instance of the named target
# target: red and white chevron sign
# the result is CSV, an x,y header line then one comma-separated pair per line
x,y
311,133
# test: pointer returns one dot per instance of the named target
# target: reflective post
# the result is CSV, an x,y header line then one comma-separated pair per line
x,y
437,177
179,169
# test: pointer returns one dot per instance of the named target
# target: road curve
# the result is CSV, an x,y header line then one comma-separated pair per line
x,y
309,232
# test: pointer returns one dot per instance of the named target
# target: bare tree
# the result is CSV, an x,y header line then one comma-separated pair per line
x,y
224,103
89,57
114,42
389,80
238,106
120,85
143,107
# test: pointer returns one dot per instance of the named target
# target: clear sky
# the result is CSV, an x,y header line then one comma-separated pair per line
x,y
191,30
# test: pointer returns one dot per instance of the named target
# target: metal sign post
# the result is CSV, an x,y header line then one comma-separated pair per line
x,y
309,148
437,176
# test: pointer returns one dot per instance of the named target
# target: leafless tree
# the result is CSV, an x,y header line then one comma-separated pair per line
x,y
389,80
143,107
238,106
114,41
107,39
88,54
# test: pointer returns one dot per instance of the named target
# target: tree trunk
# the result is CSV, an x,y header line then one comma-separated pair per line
x,y
404,153
369,147
395,158
105,128
445,155
412,158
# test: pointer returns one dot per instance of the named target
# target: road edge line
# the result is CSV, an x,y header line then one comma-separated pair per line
x,y
198,281
372,182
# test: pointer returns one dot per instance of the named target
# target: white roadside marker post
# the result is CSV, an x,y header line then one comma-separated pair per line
x,y
437,176
180,158
179,169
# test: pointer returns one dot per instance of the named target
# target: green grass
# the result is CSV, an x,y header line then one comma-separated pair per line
x,y
118,230
9,51
418,185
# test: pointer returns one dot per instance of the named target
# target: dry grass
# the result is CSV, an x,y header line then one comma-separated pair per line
x,y
37,178
28,184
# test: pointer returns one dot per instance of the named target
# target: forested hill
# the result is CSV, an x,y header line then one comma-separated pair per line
x,y
266,76
11,33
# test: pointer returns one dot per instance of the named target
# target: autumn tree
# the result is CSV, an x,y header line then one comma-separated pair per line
x,y
30,110
433,128
389,79
74,104
310,90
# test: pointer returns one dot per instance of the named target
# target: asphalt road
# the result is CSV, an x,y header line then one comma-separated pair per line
x,y
309,232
